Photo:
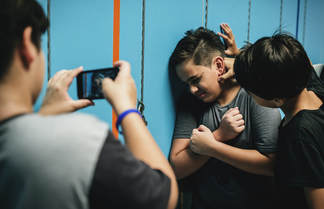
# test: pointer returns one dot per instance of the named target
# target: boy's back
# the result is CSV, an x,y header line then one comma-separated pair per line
x,y
72,161
39,161
300,159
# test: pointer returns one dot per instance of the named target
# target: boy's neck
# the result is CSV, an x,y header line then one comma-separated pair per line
x,y
229,92
306,100
13,102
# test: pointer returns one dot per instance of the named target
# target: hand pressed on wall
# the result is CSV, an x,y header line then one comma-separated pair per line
x,y
229,38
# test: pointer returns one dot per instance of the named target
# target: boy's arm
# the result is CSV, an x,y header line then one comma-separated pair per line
x,y
252,161
183,160
265,123
314,197
137,137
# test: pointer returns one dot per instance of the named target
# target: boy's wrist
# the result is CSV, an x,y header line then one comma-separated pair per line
x,y
218,135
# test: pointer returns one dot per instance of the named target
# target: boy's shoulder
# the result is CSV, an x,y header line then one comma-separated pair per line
x,y
306,126
73,124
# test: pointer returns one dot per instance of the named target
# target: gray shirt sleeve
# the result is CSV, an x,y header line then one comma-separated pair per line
x,y
265,126
184,124
188,112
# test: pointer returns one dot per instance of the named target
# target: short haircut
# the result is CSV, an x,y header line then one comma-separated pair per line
x,y
15,16
273,67
200,45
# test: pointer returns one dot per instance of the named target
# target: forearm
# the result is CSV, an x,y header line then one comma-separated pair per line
x,y
185,162
141,143
314,197
250,161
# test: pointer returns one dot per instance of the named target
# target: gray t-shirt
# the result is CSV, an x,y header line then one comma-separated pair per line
x,y
72,161
42,165
218,183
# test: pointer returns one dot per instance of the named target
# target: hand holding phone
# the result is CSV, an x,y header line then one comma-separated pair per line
x,y
57,99
121,92
90,82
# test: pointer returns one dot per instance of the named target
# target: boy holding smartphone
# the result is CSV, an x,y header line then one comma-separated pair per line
x,y
59,160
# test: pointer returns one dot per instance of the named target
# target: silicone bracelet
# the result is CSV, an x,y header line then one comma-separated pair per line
x,y
123,114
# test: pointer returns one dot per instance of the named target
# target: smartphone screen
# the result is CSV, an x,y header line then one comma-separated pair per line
x,y
89,82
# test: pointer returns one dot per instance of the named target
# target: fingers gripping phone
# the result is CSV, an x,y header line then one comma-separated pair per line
x,y
223,32
89,82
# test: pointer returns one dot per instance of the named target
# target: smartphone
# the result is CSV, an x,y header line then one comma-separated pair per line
x,y
223,32
89,82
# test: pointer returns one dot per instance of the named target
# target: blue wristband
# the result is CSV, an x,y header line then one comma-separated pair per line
x,y
123,114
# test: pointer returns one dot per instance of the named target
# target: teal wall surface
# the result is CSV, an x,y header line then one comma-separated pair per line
x,y
81,33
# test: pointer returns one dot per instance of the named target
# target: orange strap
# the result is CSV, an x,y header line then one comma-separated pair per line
x,y
116,53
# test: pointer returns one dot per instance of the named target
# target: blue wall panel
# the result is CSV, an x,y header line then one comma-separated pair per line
x,y
166,23
233,12
265,18
131,37
312,35
289,15
81,34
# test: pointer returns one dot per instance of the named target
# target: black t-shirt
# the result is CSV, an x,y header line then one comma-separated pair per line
x,y
122,181
300,157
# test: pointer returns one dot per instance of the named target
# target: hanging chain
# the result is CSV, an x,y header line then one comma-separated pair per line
x,y
206,13
281,8
48,41
140,104
249,21
297,20
304,24
202,12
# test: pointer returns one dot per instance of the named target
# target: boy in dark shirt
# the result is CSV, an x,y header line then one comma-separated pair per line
x,y
277,72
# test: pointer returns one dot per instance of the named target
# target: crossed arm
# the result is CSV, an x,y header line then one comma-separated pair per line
x,y
190,154
314,197
185,161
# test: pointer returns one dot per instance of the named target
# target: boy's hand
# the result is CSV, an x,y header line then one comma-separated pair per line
x,y
229,38
57,100
229,63
231,126
201,140
121,92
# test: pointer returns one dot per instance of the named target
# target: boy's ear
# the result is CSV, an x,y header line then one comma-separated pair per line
x,y
218,64
27,50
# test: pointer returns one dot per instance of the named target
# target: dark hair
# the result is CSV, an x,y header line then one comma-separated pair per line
x,y
273,67
15,16
200,45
